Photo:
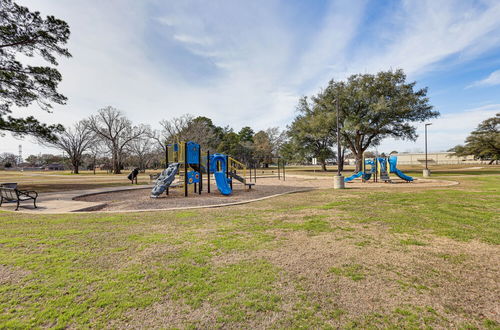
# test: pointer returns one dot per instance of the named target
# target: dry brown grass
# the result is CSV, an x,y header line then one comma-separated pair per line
x,y
325,258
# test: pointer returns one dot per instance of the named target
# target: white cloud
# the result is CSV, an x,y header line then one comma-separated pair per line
x,y
492,80
445,132
193,40
328,49
421,34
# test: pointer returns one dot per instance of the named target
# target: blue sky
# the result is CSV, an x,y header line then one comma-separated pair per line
x,y
248,62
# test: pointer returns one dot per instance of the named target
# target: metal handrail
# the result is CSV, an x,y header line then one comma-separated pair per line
x,y
232,166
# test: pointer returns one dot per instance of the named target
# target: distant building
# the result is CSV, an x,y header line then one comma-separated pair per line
x,y
54,167
27,167
436,158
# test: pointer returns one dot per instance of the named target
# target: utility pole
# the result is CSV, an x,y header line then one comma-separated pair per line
x,y
20,155
338,180
426,173
339,149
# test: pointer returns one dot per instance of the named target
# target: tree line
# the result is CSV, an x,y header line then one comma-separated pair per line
x,y
111,135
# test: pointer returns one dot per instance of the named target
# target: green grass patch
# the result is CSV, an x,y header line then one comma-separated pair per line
x,y
186,214
313,224
454,258
94,270
354,271
455,213
362,243
412,241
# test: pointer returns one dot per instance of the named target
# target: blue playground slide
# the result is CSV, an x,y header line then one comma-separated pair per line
x,y
366,175
223,183
393,160
354,176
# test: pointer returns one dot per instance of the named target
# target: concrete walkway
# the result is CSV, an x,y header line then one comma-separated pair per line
x,y
63,202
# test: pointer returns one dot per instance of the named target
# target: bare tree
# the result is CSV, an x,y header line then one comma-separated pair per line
x,y
175,129
141,150
94,151
277,138
8,159
116,131
187,128
172,131
160,138
74,141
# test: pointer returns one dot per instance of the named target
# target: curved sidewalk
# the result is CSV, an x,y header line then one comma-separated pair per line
x,y
62,202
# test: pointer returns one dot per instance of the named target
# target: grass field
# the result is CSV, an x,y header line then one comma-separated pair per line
x,y
321,259
64,180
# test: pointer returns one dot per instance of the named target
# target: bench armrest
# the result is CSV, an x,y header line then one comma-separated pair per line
x,y
29,193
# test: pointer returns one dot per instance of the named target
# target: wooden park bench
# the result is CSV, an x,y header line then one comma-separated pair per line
x,y
16,195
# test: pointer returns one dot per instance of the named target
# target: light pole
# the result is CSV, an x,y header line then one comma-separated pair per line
x,y
426,173
338,181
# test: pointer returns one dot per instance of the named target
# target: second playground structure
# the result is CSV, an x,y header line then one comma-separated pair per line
x,y
186,160
379,170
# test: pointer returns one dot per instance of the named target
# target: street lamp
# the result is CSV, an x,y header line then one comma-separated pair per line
x,y
426,172
338,181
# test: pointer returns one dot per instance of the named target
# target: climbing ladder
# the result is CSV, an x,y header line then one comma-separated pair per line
x,y
233,167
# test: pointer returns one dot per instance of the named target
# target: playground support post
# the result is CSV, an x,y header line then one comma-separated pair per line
x,y
208,171
426,172
283,162
200,185
185,171
166,155
254,172
166,162
227,172
363,168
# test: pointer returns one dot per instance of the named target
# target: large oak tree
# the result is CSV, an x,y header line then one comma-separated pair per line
x,y
375,106
484,142
313,131
26,33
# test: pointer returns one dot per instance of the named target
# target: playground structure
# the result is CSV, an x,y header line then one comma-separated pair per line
x,y
185,159
380,168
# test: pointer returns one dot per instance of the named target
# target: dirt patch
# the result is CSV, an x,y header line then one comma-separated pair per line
x,y
140,199
12,275
383,275
401,184
454,282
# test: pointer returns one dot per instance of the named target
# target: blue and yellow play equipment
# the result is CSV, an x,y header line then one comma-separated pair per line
x,y
185,159
364,174
380,167
219,167
393,160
